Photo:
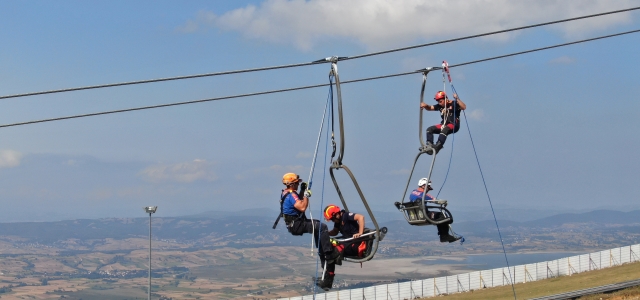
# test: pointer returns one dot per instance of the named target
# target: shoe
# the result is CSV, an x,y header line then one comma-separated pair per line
x,y
326,283
429,148
397,204
446,238
437,147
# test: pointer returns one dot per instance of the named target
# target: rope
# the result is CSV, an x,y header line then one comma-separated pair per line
x,y
310,63
303,87
490,204
444,88
313,163
324,175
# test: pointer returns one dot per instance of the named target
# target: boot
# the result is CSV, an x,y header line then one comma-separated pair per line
x,y
429,148
437,147
326,283
444,238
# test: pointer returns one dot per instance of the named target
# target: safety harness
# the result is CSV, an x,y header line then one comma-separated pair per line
x,y
295,228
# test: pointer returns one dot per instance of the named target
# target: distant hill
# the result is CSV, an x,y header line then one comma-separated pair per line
x,y
251,227
598,216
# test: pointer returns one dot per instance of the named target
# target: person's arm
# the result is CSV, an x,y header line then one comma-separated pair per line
x,y
334,231
360,219
301,204
460,103
427,106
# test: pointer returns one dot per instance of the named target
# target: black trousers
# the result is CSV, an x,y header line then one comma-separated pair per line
x,y
320,234
443,229
443,131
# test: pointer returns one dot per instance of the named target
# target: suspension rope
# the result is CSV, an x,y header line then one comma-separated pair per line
x,y
491,205
324,176
304,87
313,164
311,63
445,69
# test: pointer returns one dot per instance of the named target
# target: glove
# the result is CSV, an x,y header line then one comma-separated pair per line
x,y
307,193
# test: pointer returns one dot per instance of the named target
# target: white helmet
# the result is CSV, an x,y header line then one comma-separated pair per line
x,y
423,181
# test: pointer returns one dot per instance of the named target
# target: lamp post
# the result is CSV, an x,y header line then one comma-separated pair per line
x,y
150,210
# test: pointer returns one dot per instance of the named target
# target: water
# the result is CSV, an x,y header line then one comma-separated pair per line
x,y
496,260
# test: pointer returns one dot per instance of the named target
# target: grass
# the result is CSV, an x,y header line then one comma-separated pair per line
x,y
557,285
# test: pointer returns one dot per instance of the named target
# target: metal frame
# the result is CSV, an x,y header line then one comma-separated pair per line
x,y
337,164
423,205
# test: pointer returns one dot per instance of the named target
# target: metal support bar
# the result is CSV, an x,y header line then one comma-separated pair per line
x,y
337,164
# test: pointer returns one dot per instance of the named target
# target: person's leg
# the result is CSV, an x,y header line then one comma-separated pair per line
x,y
443,230
326,282
321,237
430,131
446,130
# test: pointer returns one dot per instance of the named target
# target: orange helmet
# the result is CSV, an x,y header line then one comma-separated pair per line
x,y
290,178
330,211
440,95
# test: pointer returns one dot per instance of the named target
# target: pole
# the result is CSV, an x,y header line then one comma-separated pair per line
x,y
149,290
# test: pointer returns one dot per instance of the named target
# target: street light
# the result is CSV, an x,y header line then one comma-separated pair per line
x,y
150,210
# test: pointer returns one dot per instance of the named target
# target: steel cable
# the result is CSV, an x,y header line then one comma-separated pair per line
x,y
308,86
314,62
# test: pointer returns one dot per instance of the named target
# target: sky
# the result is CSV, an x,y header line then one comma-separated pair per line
x,y
554,130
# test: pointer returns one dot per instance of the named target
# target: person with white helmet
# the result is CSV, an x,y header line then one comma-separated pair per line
x,y
293,210
424,186
450,113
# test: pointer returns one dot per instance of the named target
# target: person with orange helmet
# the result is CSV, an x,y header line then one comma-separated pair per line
x,y
349,225
424,186
346,223
293,208
450,114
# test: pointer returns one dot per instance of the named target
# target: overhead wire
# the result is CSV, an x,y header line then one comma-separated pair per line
x,y
308,86
490,33
314,62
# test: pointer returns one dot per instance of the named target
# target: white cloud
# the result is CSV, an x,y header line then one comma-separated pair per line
x,y
476,114
563,60
185,172
383,23
10,158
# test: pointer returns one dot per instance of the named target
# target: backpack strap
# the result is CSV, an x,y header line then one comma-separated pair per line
x,y
282,197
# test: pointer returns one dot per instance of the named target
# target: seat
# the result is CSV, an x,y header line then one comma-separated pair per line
x,y
368,237
414,212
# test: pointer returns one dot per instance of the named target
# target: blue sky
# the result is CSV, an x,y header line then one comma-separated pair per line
x,y
554,130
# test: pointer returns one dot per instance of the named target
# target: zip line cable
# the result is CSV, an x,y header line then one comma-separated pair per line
x,y
310,63
491,33
308,86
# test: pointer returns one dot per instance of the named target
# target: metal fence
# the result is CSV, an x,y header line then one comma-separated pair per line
x,y
488,278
